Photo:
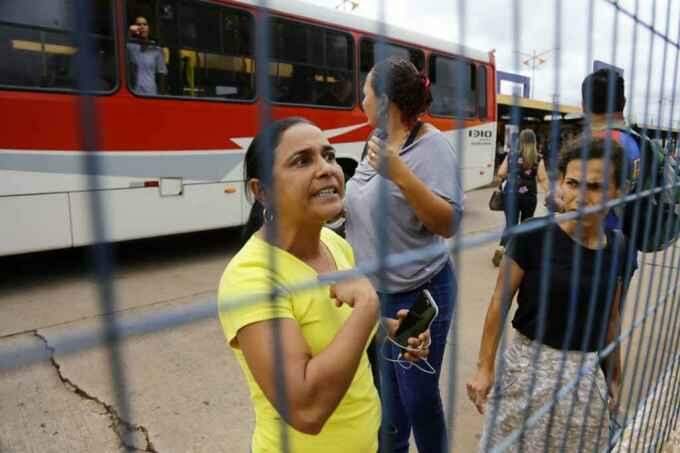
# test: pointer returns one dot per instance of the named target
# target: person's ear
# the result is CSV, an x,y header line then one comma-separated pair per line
x,y
255,187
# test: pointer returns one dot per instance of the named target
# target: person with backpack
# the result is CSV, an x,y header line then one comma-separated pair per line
x,y
646,166
649,224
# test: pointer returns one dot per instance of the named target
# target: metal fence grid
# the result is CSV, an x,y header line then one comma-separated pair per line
x,y
652,407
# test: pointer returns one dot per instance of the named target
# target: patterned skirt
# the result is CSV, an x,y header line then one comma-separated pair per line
x,y
578,422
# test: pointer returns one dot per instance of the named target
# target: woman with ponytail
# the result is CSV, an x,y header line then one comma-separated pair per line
x,y
520,171
317,382
417,165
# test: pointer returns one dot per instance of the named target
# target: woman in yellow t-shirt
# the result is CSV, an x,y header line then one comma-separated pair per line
x,y
320,365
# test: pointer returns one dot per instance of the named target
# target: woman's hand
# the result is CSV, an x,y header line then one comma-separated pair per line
x,y
357,293
553,200
384,158
478,388
419,344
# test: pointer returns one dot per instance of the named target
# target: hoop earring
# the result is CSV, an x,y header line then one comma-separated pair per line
x,y
267,215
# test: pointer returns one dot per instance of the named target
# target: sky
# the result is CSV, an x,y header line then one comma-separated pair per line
x,y
571,47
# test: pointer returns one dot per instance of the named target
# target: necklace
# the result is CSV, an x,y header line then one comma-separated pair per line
x,y
403,137
408,134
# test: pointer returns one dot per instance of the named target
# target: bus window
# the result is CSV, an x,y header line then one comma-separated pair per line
x,y
193,50
481,91
369,52
448,77
38,49
311,65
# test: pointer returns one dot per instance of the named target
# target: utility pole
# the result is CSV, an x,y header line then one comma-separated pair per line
x,y
534,60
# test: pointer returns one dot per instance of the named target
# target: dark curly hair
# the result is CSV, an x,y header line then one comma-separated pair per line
x,y
400,81
595,148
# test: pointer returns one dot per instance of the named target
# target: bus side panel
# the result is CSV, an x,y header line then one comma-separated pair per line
x,y
40,120
33,223
124,122
144,212
50,172
476,160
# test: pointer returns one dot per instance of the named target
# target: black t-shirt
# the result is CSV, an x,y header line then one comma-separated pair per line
x,y
527,251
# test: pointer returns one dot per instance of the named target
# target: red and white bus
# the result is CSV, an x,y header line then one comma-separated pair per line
x,y
171,161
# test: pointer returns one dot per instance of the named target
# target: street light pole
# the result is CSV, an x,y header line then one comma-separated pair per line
x,y
534,60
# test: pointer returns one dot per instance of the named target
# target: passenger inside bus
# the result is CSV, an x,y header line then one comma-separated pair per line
x,y
302,84
147,62
338,93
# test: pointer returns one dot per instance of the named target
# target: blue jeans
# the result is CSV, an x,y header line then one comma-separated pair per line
x,y
410,398
525,206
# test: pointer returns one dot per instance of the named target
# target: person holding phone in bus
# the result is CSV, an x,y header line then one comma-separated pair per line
x,y
330,404
146,59
417,165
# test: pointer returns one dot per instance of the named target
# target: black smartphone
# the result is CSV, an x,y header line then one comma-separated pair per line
x,y
418,320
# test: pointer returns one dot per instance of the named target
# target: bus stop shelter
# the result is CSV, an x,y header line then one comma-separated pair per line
x,y
517,113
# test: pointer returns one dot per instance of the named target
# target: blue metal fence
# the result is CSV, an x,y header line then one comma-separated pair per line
x,y
651,359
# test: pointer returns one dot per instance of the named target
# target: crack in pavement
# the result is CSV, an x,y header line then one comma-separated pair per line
x,y
119,425
193,296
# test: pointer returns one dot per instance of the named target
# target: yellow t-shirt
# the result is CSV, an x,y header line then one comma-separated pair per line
x,y
353,427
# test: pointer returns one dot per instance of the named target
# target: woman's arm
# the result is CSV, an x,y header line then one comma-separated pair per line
x,y
553,199
542,177
479,386
433,211
502,172
436,213
314,385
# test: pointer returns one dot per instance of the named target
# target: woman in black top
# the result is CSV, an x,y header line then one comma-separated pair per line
x,y
579,317
520,169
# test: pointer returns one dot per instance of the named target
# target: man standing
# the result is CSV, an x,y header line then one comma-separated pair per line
x,y
605,117
648,167
146,59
